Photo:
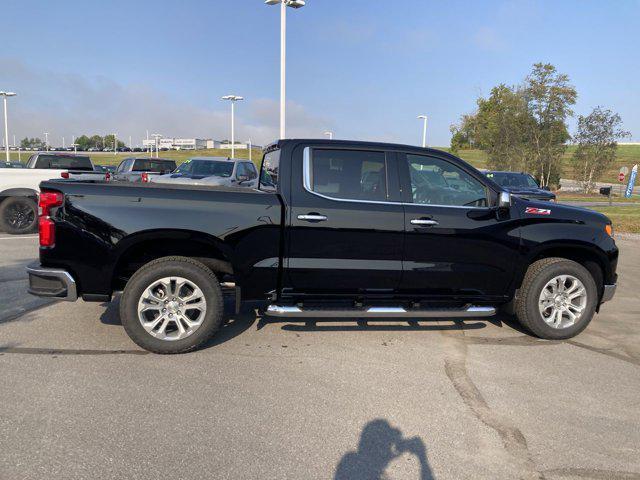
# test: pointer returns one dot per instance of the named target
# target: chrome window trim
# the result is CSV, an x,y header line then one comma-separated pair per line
x,y
307,177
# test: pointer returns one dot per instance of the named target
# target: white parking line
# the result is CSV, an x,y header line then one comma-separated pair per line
x,y
18,237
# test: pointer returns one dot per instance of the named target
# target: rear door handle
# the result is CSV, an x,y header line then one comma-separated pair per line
x,y
312,217
423,222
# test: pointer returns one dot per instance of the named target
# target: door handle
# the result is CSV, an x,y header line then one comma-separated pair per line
x,y
423,222
312,217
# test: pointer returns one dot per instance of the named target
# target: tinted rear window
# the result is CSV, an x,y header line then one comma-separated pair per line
x,y
64,162
144,165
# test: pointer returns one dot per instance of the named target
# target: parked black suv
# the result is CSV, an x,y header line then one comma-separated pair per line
x,y
521,184
341,229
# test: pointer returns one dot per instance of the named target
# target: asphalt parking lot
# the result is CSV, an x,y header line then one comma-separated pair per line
x,y
295,400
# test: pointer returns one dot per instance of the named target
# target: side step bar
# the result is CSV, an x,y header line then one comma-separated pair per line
x,y
379,312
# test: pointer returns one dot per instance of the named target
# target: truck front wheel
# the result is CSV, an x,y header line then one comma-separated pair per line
x,y
18,215
557,299
172,305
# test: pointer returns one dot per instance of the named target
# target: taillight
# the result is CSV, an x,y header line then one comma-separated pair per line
x,y
145,177
107,177
46,227
64,174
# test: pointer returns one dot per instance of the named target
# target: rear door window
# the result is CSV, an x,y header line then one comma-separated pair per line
x,y
348,174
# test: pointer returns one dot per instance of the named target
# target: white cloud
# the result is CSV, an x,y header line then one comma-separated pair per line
x,y
66,104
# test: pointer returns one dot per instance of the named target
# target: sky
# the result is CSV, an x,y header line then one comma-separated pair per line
x,y
363,69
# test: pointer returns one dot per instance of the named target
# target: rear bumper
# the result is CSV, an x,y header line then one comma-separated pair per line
x,y
51,282
608,293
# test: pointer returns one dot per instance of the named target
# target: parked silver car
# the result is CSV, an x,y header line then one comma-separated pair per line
x,y
213,171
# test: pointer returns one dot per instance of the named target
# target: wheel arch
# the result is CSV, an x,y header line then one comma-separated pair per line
x,y
587,255
18,192
141,248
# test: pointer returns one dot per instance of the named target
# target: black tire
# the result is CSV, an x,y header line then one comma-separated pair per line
x,y
189,269
537,276
19,215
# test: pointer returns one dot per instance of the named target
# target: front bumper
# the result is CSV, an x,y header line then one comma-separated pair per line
x,y
51,282
608,293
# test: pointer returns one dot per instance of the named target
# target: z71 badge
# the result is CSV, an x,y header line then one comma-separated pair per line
x,y
538,211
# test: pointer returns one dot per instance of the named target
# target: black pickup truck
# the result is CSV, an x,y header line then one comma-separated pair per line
x,y
340,229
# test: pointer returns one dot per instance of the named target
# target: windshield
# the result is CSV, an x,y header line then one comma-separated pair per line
x,y
506,179
206,168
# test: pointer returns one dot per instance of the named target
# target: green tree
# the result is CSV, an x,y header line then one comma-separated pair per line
x,y
83,142
96,141
499,127
596,137
27,142
549,97
462,135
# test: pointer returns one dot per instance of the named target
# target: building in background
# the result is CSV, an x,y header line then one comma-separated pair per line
x,y
226,145
178,143
194,144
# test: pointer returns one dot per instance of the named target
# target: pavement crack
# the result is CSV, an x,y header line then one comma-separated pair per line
x,y
512,438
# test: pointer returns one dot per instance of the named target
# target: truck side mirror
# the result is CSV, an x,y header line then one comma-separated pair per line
x,y
504,200
243,178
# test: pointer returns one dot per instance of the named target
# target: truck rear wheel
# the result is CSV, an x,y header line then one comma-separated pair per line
x,y
18,215
172,305
557,299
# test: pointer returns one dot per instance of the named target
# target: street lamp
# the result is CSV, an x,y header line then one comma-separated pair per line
x,y
424,130
283,55
6,122
157,136
233,99
329,134
46,141
115,143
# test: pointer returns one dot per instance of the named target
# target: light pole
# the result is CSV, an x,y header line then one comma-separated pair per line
x,y
283,55
424,130
329,134
46,141
250,149
156,136
233,99
115,143
6,122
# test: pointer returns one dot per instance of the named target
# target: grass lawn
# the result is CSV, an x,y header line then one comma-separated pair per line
x,y
625,219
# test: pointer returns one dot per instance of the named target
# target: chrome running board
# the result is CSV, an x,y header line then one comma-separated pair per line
x,y
379,312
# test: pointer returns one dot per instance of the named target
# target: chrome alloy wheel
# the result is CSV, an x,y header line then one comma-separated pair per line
x,y
562,301
172,308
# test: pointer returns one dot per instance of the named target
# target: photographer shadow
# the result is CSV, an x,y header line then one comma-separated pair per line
x,y
379,445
